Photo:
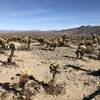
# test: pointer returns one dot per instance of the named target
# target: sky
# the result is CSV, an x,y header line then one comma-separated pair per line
x,y
48,14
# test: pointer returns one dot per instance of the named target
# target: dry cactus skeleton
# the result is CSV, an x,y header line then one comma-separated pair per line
x,y
26,88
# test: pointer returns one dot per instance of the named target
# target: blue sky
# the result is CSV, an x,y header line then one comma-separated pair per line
x,y
48,14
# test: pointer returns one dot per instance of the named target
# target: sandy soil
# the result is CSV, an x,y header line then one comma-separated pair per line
x,y
78,82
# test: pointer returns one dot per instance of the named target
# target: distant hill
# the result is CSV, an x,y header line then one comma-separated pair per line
x,y
83,30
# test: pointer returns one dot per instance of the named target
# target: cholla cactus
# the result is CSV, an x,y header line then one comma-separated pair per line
x,y
28,42
2,43
9,59
64,37
54,68
51,44
60,41
12,46
98,56
52,87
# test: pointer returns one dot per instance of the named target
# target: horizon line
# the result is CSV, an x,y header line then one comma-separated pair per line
x,y
77,26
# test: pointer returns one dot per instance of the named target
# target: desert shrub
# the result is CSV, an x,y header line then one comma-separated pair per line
x,y
54,89
3,94
90,49
98,56
26,88
23,47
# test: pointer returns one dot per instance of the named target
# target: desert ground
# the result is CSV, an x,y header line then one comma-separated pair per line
x,y
75,73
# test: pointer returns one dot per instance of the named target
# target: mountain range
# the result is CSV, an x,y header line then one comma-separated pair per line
x,y
79,30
